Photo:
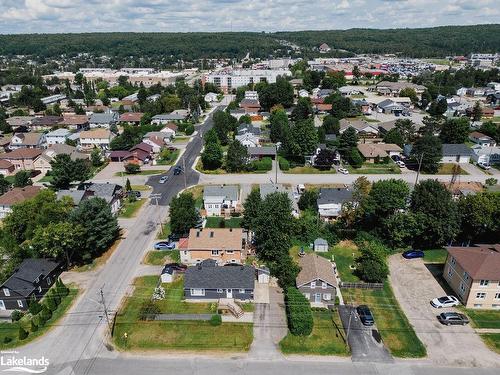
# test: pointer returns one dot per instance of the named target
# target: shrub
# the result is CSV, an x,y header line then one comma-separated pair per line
x,y
23,334
50,303
34,306
284,164
298,311
265,164
62,289
148,310
189,129
132,168
55,296
215,320
46,312
7,339
16,315
41,319
34,327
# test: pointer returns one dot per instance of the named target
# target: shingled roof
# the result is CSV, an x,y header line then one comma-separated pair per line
x,y
481,262
207,275
314,267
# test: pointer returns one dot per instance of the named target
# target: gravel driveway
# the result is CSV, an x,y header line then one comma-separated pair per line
x,y
414,286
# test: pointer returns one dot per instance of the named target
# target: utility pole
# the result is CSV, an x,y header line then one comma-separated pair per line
x,y
419,166
105,311
156,197
277,165
184,171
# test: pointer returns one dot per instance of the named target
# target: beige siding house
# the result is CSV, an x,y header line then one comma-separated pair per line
x,y
474,274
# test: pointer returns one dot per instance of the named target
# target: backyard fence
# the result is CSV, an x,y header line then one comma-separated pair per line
x,y
361,285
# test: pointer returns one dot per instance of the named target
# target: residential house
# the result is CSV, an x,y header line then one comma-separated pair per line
x,y
211,97
482,139
111,193
207,281
363,105
157,140
6,168
27,140
95,138
486,155
42,163
131,118
77,196
320,245
220,199
363,128
171,128
17,121
33,277
248,135
331,200
323,108
312,158
45,123
374,152
5,143
455,153
237,113
394,88
15,196
103,120
75,122
251,106
303,93
324,48
391,107
52,99
224,245
57,136
262,152
22,158
316,279
474,275
167,118
350,90
488,113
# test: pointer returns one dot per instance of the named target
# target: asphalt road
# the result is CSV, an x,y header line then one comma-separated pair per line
x,y
189,177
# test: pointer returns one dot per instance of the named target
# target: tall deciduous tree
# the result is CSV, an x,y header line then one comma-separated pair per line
x,y
65,171
211,157
386,197
302,110
278,125
251,209
427,151
22,179
183,213
237,157
455,130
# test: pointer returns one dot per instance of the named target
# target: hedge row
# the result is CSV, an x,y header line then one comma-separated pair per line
x,y
299,314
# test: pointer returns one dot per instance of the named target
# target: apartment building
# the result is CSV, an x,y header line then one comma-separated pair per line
x,y
474,274
95,138
227,80
224,245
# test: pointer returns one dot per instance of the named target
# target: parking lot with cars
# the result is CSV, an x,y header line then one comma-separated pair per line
x,y
415,287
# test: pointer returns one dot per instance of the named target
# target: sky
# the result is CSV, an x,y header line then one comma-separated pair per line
x,y
60,16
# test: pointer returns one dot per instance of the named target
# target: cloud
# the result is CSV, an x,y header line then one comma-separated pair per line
x,y
56,16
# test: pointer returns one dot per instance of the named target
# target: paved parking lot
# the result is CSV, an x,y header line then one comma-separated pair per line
x,y
365,342
414,287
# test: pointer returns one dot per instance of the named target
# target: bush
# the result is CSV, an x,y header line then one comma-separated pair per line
x,y
265,164
62,289
46,313
16,315
132,168
215,320
34,306
298,311
373,267
189,129
55,296
284,164
23,334
148,310
7,339
50,303
40,318
34,327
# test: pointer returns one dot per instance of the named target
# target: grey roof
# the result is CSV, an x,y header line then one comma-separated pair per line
x,y
266,189
456,149
61,132
386,103
333,195
248,128
103,118
207,275
106,191
230,192
330,137
22,280
168,116
320,241
266,150
76,195
237,111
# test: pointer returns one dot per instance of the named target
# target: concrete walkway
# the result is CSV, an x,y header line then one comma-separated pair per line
x,y
165,317
487,330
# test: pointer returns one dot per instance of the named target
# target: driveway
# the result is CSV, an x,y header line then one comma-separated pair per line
x,y
414,286
362,340
269,327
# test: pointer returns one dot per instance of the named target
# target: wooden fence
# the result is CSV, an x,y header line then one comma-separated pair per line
x,y
362,285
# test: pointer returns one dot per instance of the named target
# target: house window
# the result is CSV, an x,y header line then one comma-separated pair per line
x,y
49,281
462,288
327,296
450,272
453,261
6,292
219,291
495,306
497,295
484,282
39,289
313,284
480,295
466,276
323,285
37,280
242,291
19,303
478,305
233,260
215,253
229,251
197,292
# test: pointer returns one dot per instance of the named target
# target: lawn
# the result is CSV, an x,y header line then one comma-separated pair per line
x,y
12,329
397,333
140,187
484,318
447,168
220,222
492,340
372,168
437,256
308,170
343,258
325,339
130,209
181,139
172,157
294,251
46,179
145,172
159,258
165,232
99,261
197,192
176,335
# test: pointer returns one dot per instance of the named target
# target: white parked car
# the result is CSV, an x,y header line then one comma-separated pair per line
x,y
343,171
163,179
484,166
400,164
446,301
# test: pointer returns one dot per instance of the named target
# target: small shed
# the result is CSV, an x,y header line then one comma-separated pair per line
x,y
263,274
167,274
320,245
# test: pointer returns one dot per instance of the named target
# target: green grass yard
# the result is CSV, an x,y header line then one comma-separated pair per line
x,y
397,333
308,170
447,168
175,335
484,318
172,158
372,168
145,172
220,222
325,339
435,256
11,330
492,340
159,258
130,209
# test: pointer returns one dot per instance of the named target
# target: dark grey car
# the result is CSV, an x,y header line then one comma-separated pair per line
x,y
452,318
